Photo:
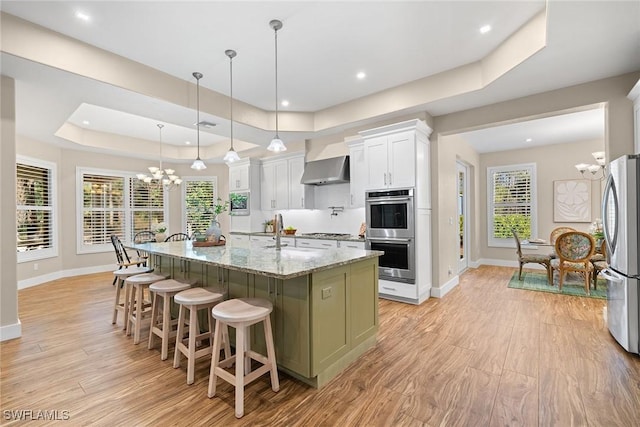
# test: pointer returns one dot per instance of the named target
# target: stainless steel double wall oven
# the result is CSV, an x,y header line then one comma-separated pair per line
x,y
390,220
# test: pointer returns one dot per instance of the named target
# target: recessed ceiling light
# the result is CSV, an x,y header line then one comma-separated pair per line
x,y
83,16
528,140
285,103
187,142
361,75
86,122
485,29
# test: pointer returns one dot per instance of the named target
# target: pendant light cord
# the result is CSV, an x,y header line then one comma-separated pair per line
x,y
160,126
276,77
198,113
231,96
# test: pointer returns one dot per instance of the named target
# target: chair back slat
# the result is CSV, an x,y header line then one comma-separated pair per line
x,y
177,237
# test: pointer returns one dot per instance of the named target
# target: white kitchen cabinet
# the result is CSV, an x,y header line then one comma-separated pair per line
x,y
300,195
634,95
274,185
390,161
270,241
280,184
316,243
357,172
239,177
350,244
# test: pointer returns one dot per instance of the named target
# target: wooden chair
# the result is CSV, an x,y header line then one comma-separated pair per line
x,y
555,233
544,260
177,237
599,262
123,258
144,237
574,250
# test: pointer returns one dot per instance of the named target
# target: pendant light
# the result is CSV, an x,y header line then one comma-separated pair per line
x,y
231,155
276,144
197,163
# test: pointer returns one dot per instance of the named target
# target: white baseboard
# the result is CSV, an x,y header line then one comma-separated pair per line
x,y
445,288
34,281
10,332
474,264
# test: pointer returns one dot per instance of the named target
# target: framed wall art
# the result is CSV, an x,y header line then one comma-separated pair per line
x,y
572,200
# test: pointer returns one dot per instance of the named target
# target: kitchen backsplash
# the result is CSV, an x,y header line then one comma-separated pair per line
x,y
321,220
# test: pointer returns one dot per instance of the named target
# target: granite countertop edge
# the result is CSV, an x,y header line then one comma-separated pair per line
x,y
350,238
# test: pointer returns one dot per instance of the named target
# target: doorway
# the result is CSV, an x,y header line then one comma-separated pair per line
x,y
462,171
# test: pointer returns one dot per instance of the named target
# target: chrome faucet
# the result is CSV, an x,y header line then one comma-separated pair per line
x,y
279,227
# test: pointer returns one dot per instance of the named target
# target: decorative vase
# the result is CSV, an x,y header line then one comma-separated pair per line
x,y
213,232
160,237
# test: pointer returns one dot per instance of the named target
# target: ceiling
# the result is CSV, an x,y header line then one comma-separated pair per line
x,y
321,47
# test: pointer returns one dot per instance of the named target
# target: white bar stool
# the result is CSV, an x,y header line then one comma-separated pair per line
x,y
161,322
138,310
195,299
121,275
240,314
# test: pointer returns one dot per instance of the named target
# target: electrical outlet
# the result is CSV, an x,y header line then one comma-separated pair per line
x,y
35,266
326,293
450,271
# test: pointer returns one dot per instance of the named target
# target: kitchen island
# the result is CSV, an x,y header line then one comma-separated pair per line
x,y
325,301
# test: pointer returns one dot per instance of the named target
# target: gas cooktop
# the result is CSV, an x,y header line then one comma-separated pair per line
x,y
327,235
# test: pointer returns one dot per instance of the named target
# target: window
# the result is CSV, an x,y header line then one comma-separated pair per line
x,y
199,200
114,203
35,204
512,203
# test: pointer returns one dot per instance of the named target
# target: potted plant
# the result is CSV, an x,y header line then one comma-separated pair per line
x,y
214,232
268,226
160,229
290,230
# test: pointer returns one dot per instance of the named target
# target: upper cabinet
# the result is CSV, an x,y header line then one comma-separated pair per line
x,y
634,95
280,184
397,156
358,173
239,177
390,160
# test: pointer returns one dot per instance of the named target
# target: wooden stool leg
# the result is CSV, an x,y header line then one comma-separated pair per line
x,y
166,325
180,334
225,337
116,305
155,306
193,332
130,307
139,309
240,355
215,359
271,354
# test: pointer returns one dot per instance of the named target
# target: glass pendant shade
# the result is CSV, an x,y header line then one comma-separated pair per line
x,y
231,156
276,145
160,177
198,165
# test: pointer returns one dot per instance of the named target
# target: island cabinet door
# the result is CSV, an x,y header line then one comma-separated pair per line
x,y
289,321
363,307
330,327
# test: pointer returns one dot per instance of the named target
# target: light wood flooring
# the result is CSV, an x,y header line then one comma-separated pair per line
x,y
485,355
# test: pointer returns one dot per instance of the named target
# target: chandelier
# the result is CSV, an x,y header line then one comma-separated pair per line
x,y
160,177
600,158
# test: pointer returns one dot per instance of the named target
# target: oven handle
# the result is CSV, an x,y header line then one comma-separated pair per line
x,y
388,239
388,199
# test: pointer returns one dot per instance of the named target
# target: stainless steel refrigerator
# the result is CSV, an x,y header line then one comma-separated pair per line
x,y
621,223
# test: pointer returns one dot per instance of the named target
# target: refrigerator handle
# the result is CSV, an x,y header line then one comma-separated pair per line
x,y
610,236
611,275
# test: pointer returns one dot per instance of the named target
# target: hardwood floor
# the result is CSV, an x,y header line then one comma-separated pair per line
x,y
484,355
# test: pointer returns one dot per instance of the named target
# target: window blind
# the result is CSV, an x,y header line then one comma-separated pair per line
x,y
34,208
103,211
199,202
511,201
147,206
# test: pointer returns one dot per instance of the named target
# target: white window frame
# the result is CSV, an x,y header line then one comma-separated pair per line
x,y
185,179
510,242
52,252
81,248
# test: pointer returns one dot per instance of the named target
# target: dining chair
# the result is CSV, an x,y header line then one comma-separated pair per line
x,y
554,235
599,262
177,237
574,250
544,260
123,258
145,236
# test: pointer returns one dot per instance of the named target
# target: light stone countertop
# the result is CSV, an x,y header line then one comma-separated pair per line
x,y
285,264
349,238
